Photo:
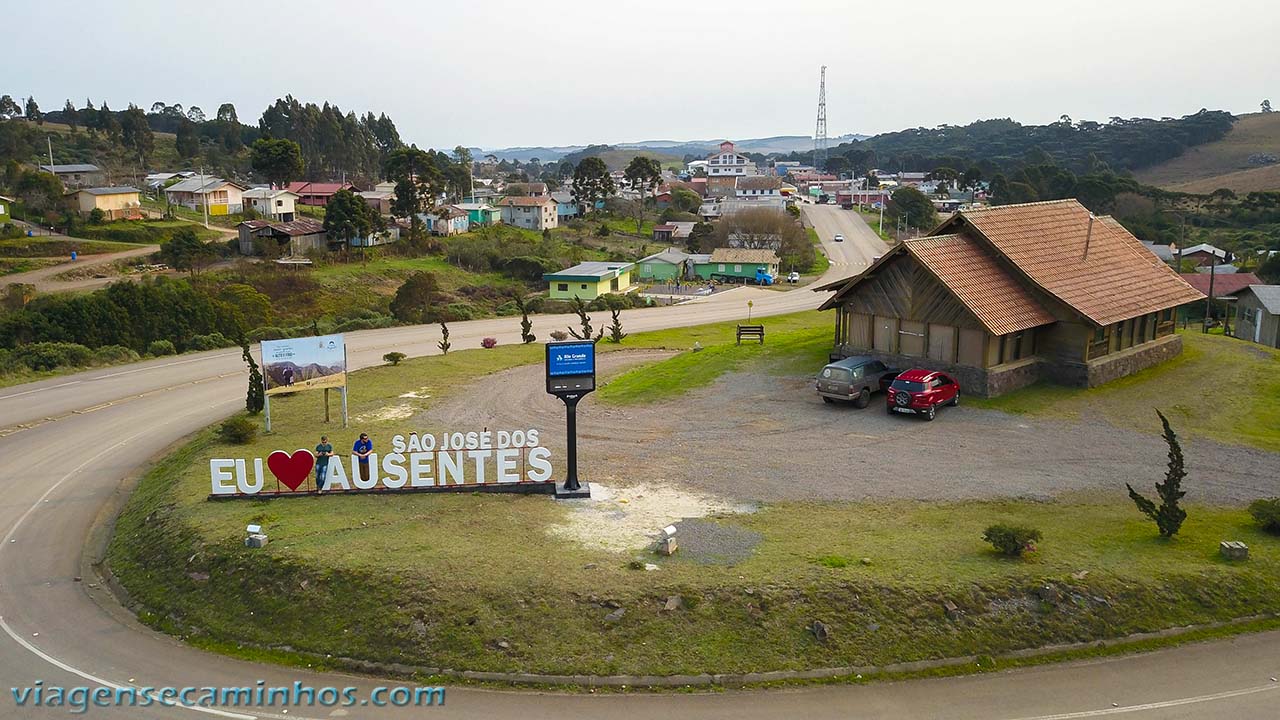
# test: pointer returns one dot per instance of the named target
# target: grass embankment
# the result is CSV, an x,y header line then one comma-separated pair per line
x,y
821,263
143,232
479,582
47,246
13,266
1219,388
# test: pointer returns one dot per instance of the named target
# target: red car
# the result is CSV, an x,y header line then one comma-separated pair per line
x,y
921,392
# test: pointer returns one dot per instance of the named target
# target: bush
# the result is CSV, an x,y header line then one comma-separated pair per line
x,y
1012,540
161,347
489,343
238,430
559,335
603,230
458,312
1267,513
97,216
113,354
212,341
394,358
51,355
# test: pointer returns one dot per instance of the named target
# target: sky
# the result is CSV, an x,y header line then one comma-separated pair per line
x,y
506,73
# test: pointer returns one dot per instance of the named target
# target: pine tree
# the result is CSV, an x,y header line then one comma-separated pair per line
x,y
1168,516
526,325
444,344
615,330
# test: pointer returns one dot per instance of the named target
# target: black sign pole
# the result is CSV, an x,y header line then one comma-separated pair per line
x,y
571,483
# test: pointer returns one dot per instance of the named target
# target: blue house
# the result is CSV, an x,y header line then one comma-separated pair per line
x,y
566,207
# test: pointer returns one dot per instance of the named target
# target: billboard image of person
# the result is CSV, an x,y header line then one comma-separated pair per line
x,y
304,364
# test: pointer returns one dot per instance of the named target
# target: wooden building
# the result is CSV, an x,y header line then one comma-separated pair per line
x,y
1004,296
1258,314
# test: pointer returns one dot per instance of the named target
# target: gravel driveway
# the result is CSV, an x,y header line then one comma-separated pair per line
x,y
752,437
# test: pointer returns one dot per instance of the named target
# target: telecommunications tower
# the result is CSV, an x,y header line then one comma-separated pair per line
x,y
820,132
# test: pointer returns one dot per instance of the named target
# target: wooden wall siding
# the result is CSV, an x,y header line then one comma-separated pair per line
x,y
885,334
942,343
911,338
859,331
903,289
971,346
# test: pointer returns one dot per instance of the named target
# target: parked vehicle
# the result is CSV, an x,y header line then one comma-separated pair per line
x,y
921,392
853,379
763,278
794,277
838,238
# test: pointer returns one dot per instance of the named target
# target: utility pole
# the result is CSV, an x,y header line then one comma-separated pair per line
x,y
49,139
204,197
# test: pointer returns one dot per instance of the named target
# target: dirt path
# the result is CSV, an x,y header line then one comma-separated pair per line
x,y
783,443
44,280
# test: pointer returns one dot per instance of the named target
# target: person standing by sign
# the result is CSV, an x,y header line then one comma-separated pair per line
x,y
323,452
362,449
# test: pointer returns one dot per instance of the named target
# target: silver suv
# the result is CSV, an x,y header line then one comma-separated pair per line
x,y
853,379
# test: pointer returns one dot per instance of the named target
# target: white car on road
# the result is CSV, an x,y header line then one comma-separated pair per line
x,y
794,277
838,238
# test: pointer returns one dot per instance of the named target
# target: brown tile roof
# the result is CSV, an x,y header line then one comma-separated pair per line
x,y
1116,280
999,301
1224,284
759,182
744,256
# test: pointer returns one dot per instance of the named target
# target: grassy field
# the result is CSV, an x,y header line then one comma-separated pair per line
x,y
12,266
1219,388
143,231
481,582
1224,163
57,246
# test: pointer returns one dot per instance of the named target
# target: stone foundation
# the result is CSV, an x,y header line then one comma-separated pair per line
x,y
991,382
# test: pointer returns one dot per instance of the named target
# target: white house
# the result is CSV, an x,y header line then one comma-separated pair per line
x,y
271,204
753,187
729,162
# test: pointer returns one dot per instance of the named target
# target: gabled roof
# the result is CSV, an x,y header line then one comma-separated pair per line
x,y
671,256
1092,265
315,188
1205,248
119,190
194,185
6,198
759,182
590,271
527,201
1223,284
745,256
1269,296
71,168
266,193
293,228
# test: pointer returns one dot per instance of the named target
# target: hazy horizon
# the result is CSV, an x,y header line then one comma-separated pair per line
x,y
510,74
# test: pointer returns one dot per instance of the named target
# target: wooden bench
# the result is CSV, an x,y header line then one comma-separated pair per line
x,y
750,331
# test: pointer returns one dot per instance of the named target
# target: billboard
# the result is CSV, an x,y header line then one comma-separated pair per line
x,y
307,363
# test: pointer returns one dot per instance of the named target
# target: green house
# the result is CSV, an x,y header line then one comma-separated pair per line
x,y
590,280
479,213
5,202
733,263
663,266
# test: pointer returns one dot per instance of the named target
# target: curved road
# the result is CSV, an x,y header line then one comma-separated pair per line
x,y
69,442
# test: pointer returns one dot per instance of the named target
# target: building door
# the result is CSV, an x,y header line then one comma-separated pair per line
x,y
942,343
886,333
911,338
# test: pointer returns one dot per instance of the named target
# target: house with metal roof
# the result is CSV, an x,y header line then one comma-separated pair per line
x,y
77,175
590,280
1258,314
223,197
317,194
291,239
1004,296
270,203
116,203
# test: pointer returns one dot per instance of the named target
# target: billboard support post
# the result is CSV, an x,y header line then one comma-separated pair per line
x,y
326,405
266,411
571,374
344,406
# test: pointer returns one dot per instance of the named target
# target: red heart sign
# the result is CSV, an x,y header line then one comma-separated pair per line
x,y
291,470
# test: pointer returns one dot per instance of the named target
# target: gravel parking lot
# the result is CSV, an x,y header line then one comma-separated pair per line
x,y
753,437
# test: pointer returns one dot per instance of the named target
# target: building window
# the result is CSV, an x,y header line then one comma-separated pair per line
x,y
737,268
563,287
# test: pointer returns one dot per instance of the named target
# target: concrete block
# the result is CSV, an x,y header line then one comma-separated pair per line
x,y
1233,550
256,540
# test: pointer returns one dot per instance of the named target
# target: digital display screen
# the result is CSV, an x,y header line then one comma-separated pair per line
x,y
575,358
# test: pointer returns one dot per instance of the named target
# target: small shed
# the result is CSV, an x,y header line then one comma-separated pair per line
x,y
1258,314
294,238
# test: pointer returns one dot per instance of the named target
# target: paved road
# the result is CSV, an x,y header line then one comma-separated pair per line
x,y
69,441
861,246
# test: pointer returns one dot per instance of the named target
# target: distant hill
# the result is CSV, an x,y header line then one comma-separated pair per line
x,y
1225,163
672,148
